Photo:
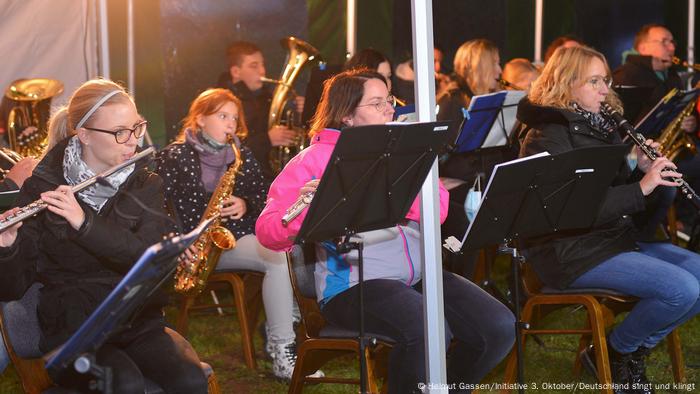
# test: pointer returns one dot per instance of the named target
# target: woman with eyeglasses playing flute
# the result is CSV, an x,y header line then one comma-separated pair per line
x,y
84,243
392,269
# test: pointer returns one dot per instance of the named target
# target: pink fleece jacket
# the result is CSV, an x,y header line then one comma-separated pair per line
x,y
306,166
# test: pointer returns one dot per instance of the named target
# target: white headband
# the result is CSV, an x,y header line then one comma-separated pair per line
x,y
95,107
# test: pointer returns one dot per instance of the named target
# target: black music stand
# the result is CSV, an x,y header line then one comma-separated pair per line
x,y
155,266
541,195
372,178
483,141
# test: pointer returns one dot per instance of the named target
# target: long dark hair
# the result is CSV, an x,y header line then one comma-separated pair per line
x,y
341,95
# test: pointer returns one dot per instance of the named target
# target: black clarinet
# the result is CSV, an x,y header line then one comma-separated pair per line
x,y
650,152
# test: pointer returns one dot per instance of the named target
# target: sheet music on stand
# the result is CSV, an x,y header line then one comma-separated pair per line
x,y
490,120
524,195
667,109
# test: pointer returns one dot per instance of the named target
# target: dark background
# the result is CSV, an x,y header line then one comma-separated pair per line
x,y
180,44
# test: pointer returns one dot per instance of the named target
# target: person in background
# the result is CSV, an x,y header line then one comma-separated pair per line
x,y
476,71
519,73
17,174
405,77
646,76
566,41
246,67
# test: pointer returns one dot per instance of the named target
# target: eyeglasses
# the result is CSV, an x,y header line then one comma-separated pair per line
x,y
123,135
665,41
380,106
597,81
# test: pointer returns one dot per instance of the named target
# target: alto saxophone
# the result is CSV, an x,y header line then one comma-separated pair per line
x,y
191,275
675,140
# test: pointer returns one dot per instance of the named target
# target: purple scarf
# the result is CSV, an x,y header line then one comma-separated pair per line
x,y
214,161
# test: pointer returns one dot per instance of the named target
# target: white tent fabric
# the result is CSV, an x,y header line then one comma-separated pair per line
x,y
48,39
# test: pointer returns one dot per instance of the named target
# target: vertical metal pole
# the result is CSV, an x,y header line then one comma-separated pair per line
x,y
103,40
131,77
433,307
691,39
538,31
351,28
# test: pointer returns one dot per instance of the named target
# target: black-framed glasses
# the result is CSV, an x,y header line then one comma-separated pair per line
x,y
597,81
123,135
381,105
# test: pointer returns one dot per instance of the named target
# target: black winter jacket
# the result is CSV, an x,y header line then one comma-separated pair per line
x,y
560,258
80,268
179,166
640,88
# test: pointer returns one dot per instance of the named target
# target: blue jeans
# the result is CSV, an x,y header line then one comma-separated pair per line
x,y
4,356
664,277
484,328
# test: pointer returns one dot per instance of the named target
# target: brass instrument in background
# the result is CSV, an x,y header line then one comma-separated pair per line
x,y
673,139
678,62
505,84
8,158
191,276
32,98
298,54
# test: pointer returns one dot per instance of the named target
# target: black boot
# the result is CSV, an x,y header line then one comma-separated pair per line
x,y
619,368
638,378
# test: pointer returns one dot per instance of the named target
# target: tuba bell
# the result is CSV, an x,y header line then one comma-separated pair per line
x,y
32,105
299,53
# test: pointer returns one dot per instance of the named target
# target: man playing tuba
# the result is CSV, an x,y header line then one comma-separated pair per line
x,y
246,68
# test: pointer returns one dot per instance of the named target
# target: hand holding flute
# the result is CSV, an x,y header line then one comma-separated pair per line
x,y
306,194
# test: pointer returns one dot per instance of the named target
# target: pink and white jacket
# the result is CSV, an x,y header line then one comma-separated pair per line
x,y
398,258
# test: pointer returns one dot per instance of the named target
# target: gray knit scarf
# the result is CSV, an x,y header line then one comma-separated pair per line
x,y
75,170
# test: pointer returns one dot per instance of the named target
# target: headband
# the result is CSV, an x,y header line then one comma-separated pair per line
x,y
94,108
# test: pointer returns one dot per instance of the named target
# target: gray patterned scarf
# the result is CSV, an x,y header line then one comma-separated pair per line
x,y
76,171
600,122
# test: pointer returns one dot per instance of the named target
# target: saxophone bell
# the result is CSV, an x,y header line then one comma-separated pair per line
x,y
192,273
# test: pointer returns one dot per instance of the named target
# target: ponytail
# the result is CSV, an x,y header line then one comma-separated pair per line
x,y
58,127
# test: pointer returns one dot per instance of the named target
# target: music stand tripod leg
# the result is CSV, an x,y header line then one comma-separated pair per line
x,y
86,363
515,260
344,247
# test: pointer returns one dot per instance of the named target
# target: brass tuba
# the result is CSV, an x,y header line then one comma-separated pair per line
x,y
298,54
191,276
32,105
673,139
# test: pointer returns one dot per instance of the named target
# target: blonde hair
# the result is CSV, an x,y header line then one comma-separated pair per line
x,y
207,103
474,62
565,70
517,69
64,121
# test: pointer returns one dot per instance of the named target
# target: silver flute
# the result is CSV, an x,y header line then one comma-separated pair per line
x,y
292,212
37,206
